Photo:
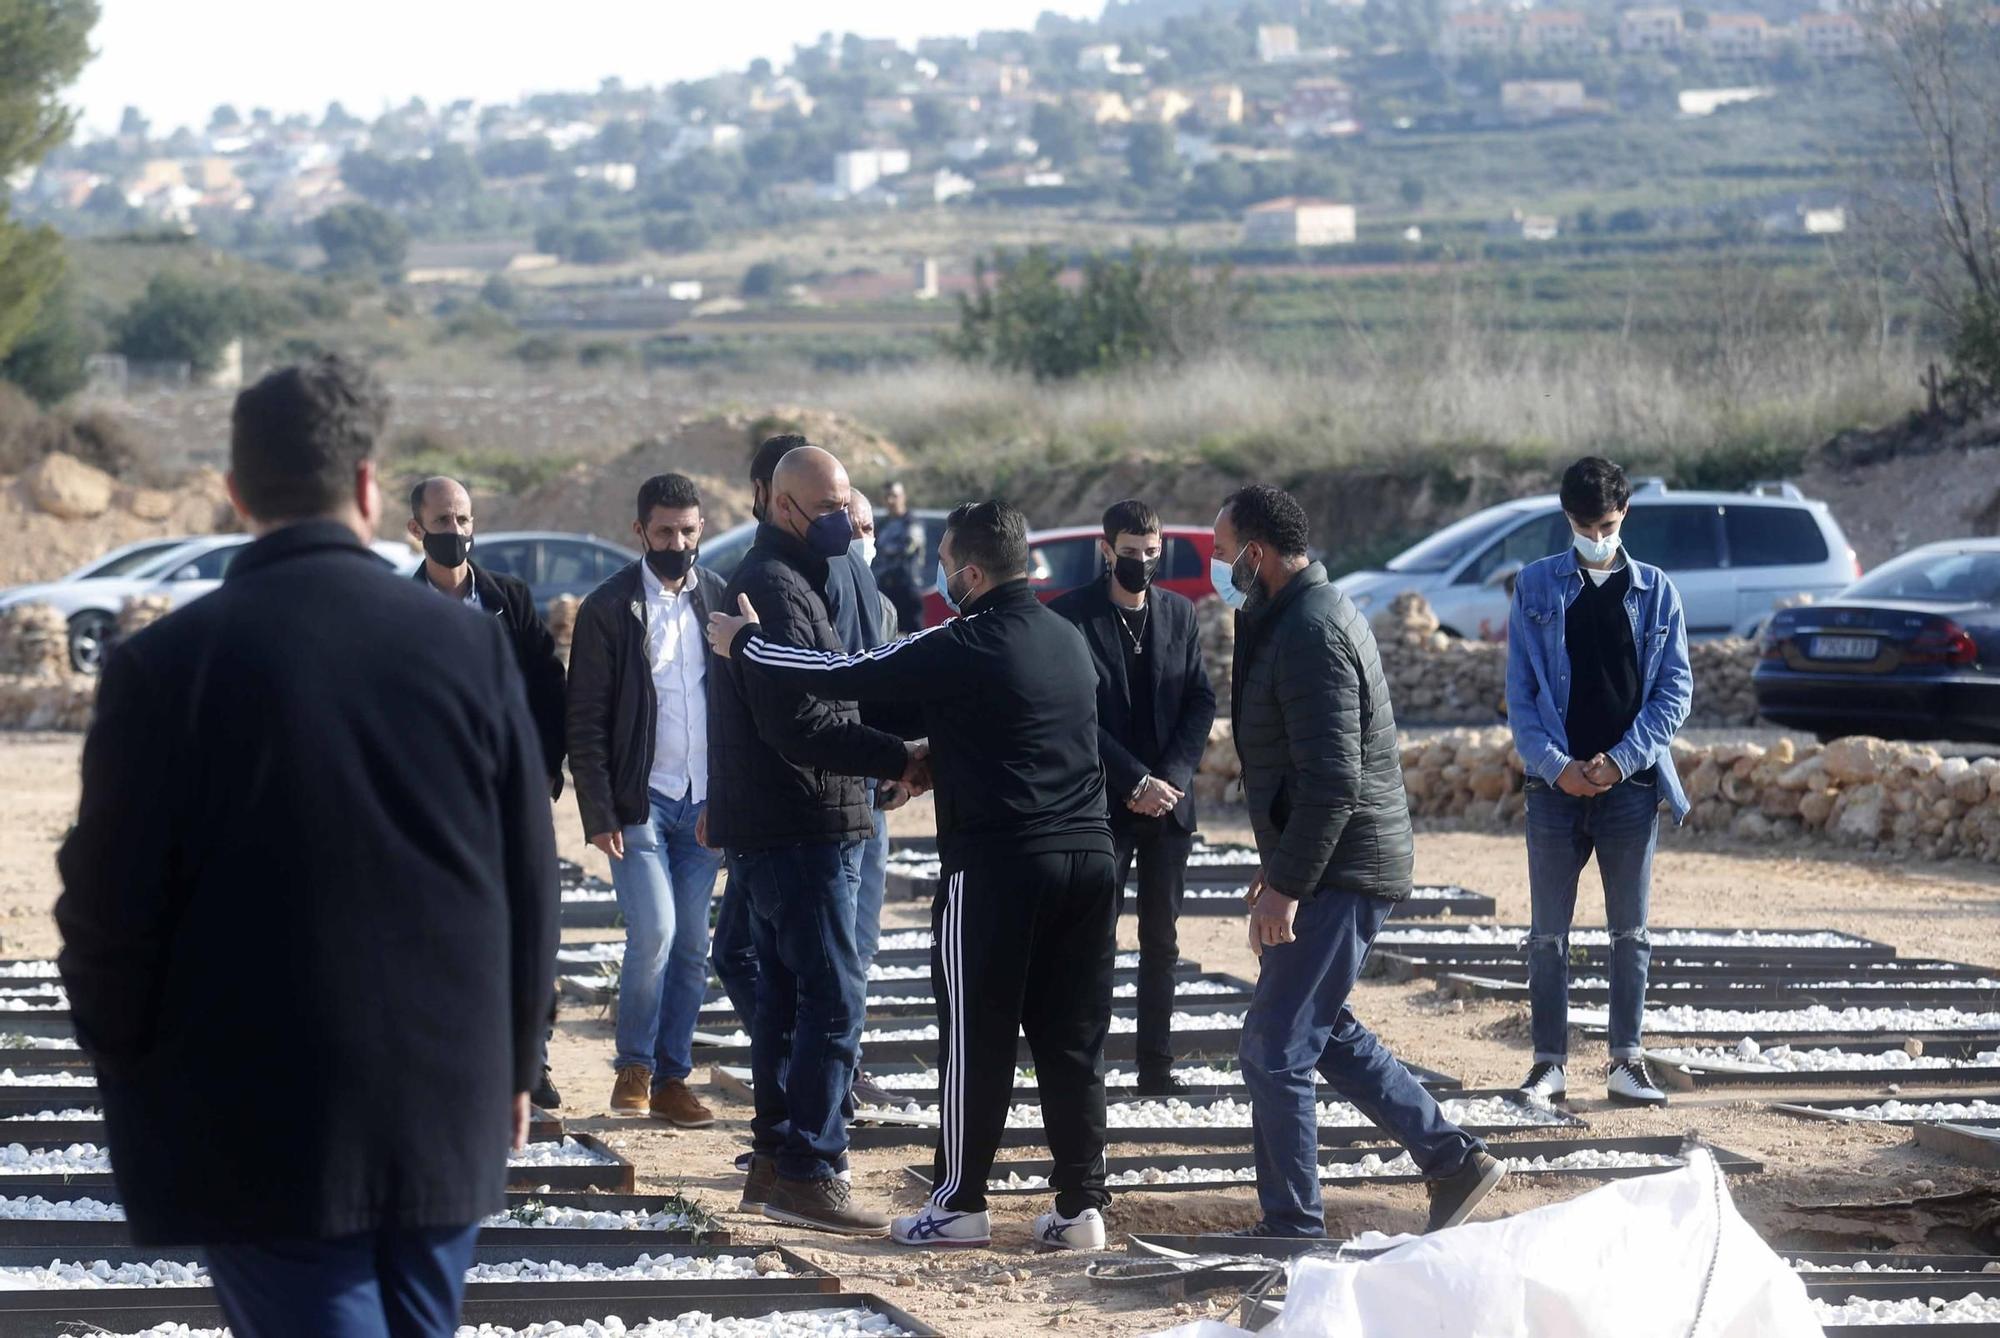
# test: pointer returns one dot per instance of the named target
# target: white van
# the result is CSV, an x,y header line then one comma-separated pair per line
x,y
1733,556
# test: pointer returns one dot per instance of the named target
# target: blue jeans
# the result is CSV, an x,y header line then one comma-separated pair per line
x,y
1299,1021
663,886
733,950
381,1284
874,886
1622,826
811,997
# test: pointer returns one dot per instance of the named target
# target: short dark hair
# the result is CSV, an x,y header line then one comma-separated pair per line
x,y
1270,516
1130,516
676,492
992,536
297,436
420,490
764,464
1593,488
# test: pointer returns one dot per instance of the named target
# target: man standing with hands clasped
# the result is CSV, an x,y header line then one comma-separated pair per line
x,y
1598,683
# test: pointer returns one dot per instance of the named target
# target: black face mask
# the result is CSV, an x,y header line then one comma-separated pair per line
x,y
670,564
1134,574
449,549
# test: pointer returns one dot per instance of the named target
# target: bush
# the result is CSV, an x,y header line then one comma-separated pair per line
x,y
541,350
606,353
361,239
27,433
50,360
179,319
675,233
766,278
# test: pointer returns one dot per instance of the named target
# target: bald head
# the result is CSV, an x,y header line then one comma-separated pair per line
x,y
441,508
809,486
438,495
862,512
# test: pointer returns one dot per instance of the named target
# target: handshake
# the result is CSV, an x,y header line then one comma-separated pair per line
x,y
915,780
1588,779
1154,798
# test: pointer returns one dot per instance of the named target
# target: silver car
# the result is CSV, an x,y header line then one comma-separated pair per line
x,y
1733,556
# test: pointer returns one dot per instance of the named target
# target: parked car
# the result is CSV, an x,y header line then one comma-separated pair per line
x,y
1911,651
552,563
1733,556
183,569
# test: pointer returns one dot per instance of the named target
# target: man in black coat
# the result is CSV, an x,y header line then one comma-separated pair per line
x,y
1154,709
1323,779
309,906
441,525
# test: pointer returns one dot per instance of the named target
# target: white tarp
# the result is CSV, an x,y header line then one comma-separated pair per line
x,y
1657,1256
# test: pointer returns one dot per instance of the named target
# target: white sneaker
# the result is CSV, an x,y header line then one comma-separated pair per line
x,y
1545,1083
1085,1231
941,1227
1628,1081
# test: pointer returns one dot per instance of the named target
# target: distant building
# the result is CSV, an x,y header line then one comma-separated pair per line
x,y
1555,32
684,290
1162,106
1220,104
943,50
1277,42
1102,107
997,78
1655,29
1528,227
1738,36
1103,58
621,177
1832,36
945,185
1539,99
968,149
1290,221
857,169
1318,109
1705,101
1473,34
889,113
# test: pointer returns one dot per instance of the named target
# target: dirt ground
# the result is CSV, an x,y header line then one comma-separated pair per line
x,y
1936,910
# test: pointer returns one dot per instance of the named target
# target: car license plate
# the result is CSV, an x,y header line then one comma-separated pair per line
x,y
1845,647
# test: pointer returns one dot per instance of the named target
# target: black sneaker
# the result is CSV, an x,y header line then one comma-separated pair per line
x,y
866,1093
822,1205
1455,1196
546,1096
1161,1084
1630,1082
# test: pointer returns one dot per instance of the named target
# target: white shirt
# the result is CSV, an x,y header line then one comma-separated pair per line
x,y
679,659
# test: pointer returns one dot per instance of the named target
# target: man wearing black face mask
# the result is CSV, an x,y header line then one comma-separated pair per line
x,y
1154,709
638,728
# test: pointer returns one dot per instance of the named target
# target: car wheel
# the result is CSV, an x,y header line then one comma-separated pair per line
x,y
90,633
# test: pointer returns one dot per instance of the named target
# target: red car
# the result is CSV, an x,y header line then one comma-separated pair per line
x,y
1061,560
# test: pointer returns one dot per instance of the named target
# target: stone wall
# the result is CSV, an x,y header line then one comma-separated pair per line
x,y
37,689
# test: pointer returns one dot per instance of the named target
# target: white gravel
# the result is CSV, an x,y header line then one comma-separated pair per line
x,y
1179,1022
15,1003
583,954
1230,1113
1926,1112
1369,1167
1863,1266
1515,935
554,1217
1189,989
1816,1018
588,894
61,1078
43,968
71,1114
648,1268
1746,1054
46,989
832,1322
569,1152
93,1275
1973,1309
1195,1075
38,1209
76,1159
14,1040
1886,987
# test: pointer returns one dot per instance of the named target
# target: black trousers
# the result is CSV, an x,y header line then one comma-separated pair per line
x,y
1023,946
1161,850
909,605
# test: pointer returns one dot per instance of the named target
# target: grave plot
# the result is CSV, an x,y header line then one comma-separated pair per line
x,y
1406,962
1593,1158
14,969
1974,1060
919,1082
1199,1032
18,1049
54,1125
1837,1266
25,1168
1963,1142
894,999
1771,1026
1427,901
637,1311
1829,988
1979,1111
577,1161
1723,945
1209,1121
1933,1308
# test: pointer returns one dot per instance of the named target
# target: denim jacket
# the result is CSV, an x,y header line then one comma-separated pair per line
x,y
1538,673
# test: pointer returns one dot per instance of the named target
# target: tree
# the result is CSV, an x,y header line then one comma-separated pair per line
x,y
1412,192
766,278
1150,156
132,124
361,239
936,122
180,319
674,232
50,361
224,117
43,46
528,157
1058,133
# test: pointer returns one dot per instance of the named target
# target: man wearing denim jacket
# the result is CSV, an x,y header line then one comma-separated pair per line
x,y
1598,683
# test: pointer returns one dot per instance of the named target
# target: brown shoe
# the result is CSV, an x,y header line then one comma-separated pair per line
x,y
628,1094
674,1103
823,1205
759,1182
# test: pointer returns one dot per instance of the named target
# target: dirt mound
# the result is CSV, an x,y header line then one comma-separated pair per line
x,y
42,544
714,450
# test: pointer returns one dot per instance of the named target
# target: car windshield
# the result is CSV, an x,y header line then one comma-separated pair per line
x,y
1442,550
1936,576
124,564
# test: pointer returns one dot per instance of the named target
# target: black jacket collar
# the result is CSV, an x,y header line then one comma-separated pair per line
x,y
1264,612
793,551
488,589
1010,593
298,540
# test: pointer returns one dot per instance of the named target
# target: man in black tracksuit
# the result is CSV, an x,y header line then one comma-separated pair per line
x,y
1023,931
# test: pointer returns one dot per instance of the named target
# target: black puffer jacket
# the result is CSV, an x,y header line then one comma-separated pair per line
x,y
785,767
1322,772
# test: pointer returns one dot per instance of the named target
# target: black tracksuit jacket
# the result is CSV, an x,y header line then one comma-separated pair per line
x,y
1009,697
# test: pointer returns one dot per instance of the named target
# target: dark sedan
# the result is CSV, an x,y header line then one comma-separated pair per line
x,y
1910,651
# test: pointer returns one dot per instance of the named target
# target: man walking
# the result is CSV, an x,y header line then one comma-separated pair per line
x,y
1023,933
441,524
900,548
1598,683
792,811
309,905
1323,778
1154,709
638,728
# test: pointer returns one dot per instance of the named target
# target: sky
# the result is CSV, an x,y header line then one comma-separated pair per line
x,y
176,59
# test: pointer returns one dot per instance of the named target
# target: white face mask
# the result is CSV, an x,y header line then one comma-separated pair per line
x,y
867,542
1595,550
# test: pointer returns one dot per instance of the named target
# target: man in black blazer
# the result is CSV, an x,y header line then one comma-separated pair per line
x,y
1154,709
309,905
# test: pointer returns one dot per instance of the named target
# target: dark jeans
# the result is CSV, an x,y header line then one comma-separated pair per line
x,y
732,949
1299,1021
811,996
1161,850
382,1284
1622,826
